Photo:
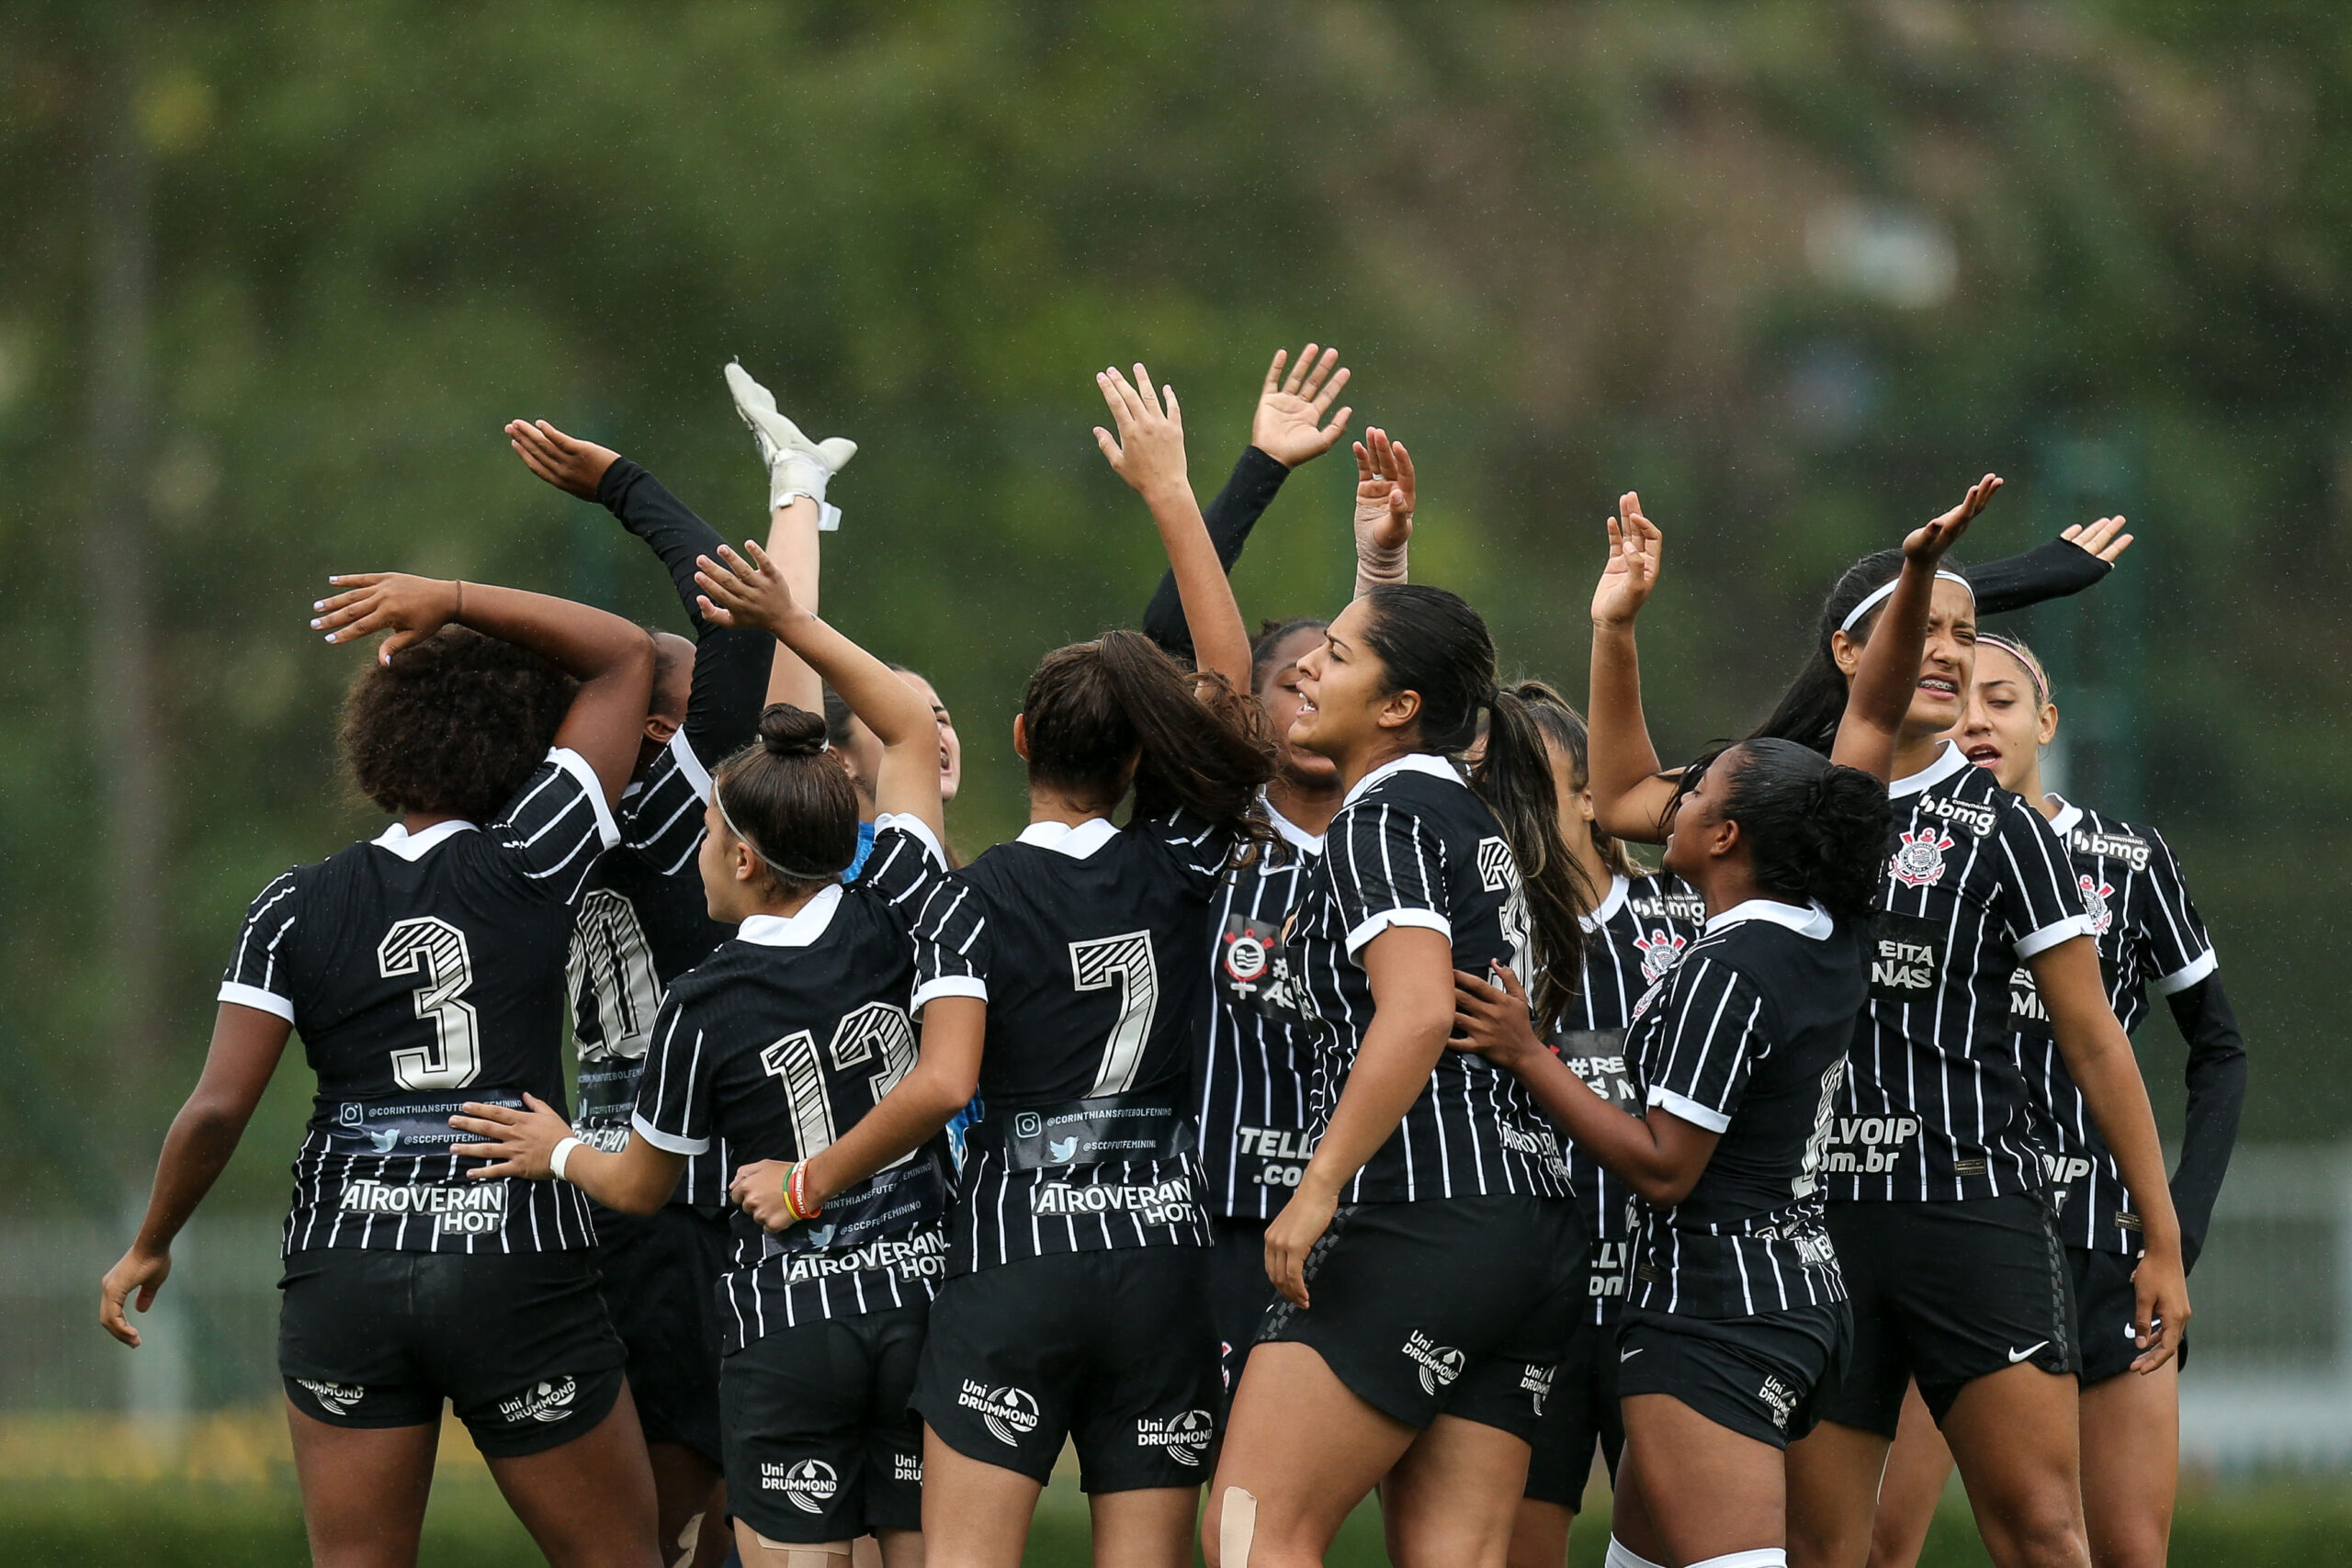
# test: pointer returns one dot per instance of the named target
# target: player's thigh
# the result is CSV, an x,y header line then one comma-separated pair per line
x,y
364,1489
2131,1465
2013,1434
1916,1468
588,1502
1452,1499
975,1514
1305,1448
1708,1490
1833,1480
1539,1534
1145,1528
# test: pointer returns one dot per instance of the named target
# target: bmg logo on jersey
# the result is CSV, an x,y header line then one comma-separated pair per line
x,y
2132,851
1185,1435
807,1485
473,1208
1437,1364
1010,1413
1870,1146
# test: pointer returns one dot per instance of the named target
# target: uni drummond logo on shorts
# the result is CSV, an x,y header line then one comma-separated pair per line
x,y
1780,1399
1009,1414
547,1402
907,1467
1535,1381
1184,1436
1437,1364
334,1398
469,1208
807,1485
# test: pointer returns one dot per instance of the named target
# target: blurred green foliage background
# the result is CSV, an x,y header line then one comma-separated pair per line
x,y
1796,269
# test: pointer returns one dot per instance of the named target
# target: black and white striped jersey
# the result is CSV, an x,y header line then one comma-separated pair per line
x,y
643,922
2150,937
1746,1038
1635,934
424,970
1084,942
1257,1054
1935,1107
778,1043
1414,846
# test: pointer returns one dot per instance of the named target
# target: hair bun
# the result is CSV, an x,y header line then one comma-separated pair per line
x,y
788,731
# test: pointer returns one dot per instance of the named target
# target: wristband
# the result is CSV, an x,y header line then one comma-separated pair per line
x,y
797,1206
563,1154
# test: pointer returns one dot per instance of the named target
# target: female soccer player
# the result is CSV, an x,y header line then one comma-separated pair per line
x,y
784,1037
2150,938
426,968
642,923
1737,1314
1641,926
1426,1256
1054,974
1947,1245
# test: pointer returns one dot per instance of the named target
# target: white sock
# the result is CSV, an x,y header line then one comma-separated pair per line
x,y
1758,1557
1623,1556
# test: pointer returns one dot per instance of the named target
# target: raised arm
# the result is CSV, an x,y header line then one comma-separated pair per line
x,y
1887,675
1630,796
2076,559
1286,430
730,666
1148,453
1383,519
612,659
753,592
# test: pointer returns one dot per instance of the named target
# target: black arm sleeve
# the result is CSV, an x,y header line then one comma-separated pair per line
x,y
2216,1095
730,666
2054,571
1230,517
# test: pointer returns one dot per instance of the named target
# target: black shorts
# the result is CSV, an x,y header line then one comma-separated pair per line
x,y
1114,1350
1580,1413
1447,1306
518,1342
821,1444
1239,1293
662,1289
2104,1304
1946,1292
1760,1376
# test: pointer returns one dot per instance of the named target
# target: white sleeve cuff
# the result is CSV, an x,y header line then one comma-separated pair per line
x,y
970,986
691,765
1428,920
253,996
573,762
2050,935
916,829
2193,973
1689,1110
667,1142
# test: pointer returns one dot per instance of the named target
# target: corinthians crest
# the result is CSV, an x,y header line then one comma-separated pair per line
x,y
1919,860
1659,950
2095,896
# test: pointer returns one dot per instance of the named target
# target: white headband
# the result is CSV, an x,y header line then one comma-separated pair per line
x,y
1878,596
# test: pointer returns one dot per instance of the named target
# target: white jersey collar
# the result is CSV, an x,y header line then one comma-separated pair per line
x,y
1079,842
1949,760
798,929
1813,924
2068,814
1427,762
1614,900
1293,835
416,846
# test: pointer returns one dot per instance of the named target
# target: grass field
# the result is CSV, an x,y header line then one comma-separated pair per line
x,y
75,1493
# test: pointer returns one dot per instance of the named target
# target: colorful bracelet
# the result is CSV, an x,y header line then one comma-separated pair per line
x,y
796,1192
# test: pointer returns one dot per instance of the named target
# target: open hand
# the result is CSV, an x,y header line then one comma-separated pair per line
x,y
1385,492
573,465
1148,451
521,1142
410,608
1635,554
1928,544
139,1273
737,591
2104,538
1287,425
1493,1019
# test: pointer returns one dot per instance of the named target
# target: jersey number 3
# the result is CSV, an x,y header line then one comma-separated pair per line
x,y
1124,961
437,949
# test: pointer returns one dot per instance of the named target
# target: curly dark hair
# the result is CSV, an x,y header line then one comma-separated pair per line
x,y
453,723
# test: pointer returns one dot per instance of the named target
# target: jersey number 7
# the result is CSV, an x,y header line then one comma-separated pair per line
x,y
1126,962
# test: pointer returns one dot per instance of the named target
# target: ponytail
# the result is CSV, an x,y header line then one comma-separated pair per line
x,y
1433,643
1093,710
1565,730
1815,831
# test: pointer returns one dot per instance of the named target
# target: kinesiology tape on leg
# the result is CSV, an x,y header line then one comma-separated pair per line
x,y
803,1554
1236,1528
